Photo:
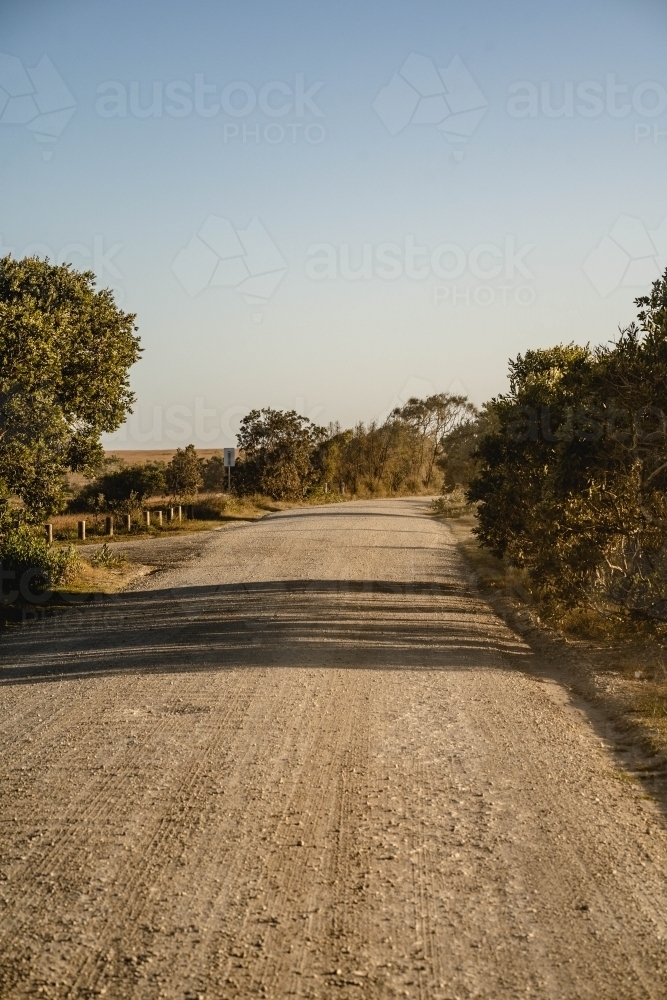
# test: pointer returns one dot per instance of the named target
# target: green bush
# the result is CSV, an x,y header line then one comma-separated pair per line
x,y
183,475
106,558
277,451
571,482
113,490
214,474
23,551
452,504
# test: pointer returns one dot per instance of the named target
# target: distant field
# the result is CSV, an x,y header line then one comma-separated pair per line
x,y
140,457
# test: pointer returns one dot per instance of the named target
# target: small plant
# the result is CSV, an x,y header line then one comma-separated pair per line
x,y
106,558
97,504
23,551
130,505
229,506
450,504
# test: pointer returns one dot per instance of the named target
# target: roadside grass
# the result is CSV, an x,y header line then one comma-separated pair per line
x,y
65,529
90,579
210,511
620,664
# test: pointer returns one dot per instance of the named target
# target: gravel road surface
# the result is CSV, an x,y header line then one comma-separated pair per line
x,y
311,762
161,551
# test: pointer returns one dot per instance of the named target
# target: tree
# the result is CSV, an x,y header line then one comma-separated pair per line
x,y
65,353
518,486
214,474
572,481
457,459
433,419
277,452
184,473
112,489
402,454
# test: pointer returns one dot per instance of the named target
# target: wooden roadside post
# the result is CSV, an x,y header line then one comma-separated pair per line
x,y
48,529
127,522
158,515
147,515
170,514
81,526
108,525
179,512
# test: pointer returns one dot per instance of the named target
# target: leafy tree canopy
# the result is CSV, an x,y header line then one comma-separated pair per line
x,y
112,489
572,475
277,452
184,473
434,419
65,353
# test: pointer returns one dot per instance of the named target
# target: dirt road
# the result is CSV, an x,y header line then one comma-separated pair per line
x,y
312,763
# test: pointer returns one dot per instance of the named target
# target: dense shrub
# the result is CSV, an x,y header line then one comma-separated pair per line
x,y
278,450
572,482
183,475
402,455
24,552
214,474
285,456
116,488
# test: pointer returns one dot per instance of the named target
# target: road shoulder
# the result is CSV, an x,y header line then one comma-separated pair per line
x,y
622,688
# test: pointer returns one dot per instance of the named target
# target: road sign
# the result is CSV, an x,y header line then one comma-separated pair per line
x,y
229,459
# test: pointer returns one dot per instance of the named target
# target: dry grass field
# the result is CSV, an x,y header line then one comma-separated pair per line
x,y
142,456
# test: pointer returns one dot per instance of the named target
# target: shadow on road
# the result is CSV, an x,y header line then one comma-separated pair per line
x,y
367,624
343,511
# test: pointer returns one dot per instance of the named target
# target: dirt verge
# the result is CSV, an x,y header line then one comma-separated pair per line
x,y
625,678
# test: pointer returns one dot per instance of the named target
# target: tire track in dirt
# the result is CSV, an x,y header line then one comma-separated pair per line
x,y
313,764
110,801
183,813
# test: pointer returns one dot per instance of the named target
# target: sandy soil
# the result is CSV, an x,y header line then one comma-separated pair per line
x,y
168,551
310,762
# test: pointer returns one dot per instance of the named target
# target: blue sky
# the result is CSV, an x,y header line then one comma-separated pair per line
x,y
292,146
